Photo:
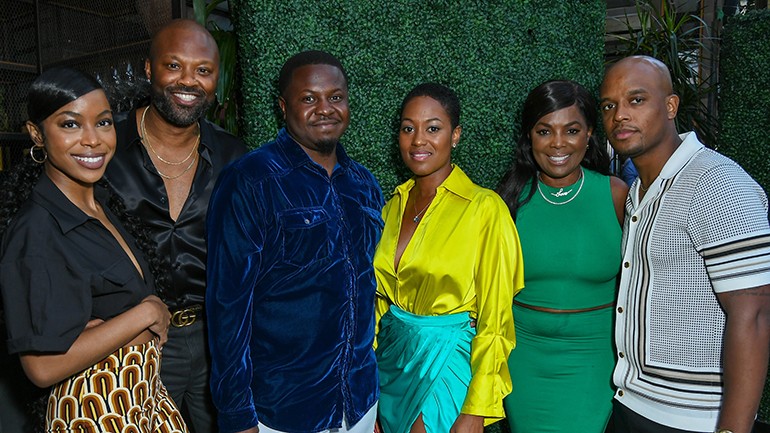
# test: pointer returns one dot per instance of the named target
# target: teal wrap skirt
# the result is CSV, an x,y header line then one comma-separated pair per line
x,y
424,366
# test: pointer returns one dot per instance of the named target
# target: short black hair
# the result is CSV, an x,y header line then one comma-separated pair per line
x,y
442,94
312,57
56,88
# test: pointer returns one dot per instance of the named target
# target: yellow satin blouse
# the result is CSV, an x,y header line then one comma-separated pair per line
x,y
464,257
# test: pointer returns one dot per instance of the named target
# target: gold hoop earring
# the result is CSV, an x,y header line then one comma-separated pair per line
x,y
40,148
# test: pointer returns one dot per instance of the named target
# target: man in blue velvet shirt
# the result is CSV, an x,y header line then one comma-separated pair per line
x,y
292,229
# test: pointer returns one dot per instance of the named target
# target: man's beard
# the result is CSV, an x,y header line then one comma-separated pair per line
x,y
326,147
175,114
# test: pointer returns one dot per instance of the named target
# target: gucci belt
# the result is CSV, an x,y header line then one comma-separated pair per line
x,y
186,316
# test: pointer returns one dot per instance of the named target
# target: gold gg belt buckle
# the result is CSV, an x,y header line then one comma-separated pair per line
x,y
186,316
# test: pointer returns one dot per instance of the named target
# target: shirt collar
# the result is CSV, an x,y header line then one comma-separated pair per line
x,y
51,198
681,156
297,157
687,149
207,134
457,183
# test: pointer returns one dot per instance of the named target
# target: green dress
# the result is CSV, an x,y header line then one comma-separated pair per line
x,y
562,365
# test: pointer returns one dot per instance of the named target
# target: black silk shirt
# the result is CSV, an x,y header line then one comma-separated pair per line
x,y
133,176
59,268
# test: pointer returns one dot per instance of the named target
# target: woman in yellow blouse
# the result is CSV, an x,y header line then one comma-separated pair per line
x,y
449,255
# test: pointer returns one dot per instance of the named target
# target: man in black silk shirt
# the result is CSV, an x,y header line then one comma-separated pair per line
x,y
167,161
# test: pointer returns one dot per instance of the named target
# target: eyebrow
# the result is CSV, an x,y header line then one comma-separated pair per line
x,y
574,122
76,114
636,91
321,90
432,119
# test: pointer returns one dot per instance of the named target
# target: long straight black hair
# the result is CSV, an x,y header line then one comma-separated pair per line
x,y
543,100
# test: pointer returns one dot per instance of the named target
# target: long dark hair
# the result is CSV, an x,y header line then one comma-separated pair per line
x,y
52,90
542,100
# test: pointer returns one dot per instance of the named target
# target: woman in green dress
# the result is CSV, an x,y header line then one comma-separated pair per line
x,y
568,212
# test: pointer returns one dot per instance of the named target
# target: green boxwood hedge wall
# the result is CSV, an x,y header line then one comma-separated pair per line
x,y
491,53
744,108
744,94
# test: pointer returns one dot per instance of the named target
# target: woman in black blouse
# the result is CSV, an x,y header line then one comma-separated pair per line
x,y
77,292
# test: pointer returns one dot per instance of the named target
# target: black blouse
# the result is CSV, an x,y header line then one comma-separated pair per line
x,y
59,268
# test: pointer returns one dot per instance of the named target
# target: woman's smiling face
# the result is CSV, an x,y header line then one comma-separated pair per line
x,y
79,139
559,143
426,137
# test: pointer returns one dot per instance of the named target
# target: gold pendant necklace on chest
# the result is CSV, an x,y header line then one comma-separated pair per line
x,y
146,141
561,193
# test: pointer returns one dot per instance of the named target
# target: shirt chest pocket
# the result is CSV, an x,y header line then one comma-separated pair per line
x,y
304,235
115,290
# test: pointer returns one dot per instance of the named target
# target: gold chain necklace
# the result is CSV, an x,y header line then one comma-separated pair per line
x,y
146,140
166,176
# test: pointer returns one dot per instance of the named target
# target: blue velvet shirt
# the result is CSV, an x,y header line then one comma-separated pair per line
x,y
291,287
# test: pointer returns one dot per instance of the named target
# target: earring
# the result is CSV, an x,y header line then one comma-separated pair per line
x,y
454,145
39,148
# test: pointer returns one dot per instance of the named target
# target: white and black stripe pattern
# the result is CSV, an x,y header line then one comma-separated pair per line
x,y
701,229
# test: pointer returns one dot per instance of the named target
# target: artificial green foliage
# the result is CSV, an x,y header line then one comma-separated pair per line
x,y
491,53
744,96
744,107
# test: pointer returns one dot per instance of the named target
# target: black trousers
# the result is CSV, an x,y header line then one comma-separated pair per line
x,y
184,370
624,420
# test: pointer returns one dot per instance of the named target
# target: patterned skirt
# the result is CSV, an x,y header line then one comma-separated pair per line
x,y
425,368
122,394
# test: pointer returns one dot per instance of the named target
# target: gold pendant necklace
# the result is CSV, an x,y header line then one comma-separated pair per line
x,y
561,192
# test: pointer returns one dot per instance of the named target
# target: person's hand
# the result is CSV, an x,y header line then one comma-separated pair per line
x,y
377,427
468,424
161,318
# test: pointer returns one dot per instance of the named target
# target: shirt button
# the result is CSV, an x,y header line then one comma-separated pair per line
x,y
307,221
176,265
620,354
620,393
620,310
163,199
634,218
626,265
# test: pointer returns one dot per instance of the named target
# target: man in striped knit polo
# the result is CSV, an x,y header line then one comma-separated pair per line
x,y
693,313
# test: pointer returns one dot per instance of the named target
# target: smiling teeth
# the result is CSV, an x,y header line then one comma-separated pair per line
x,y
559,158
89,159
185,96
